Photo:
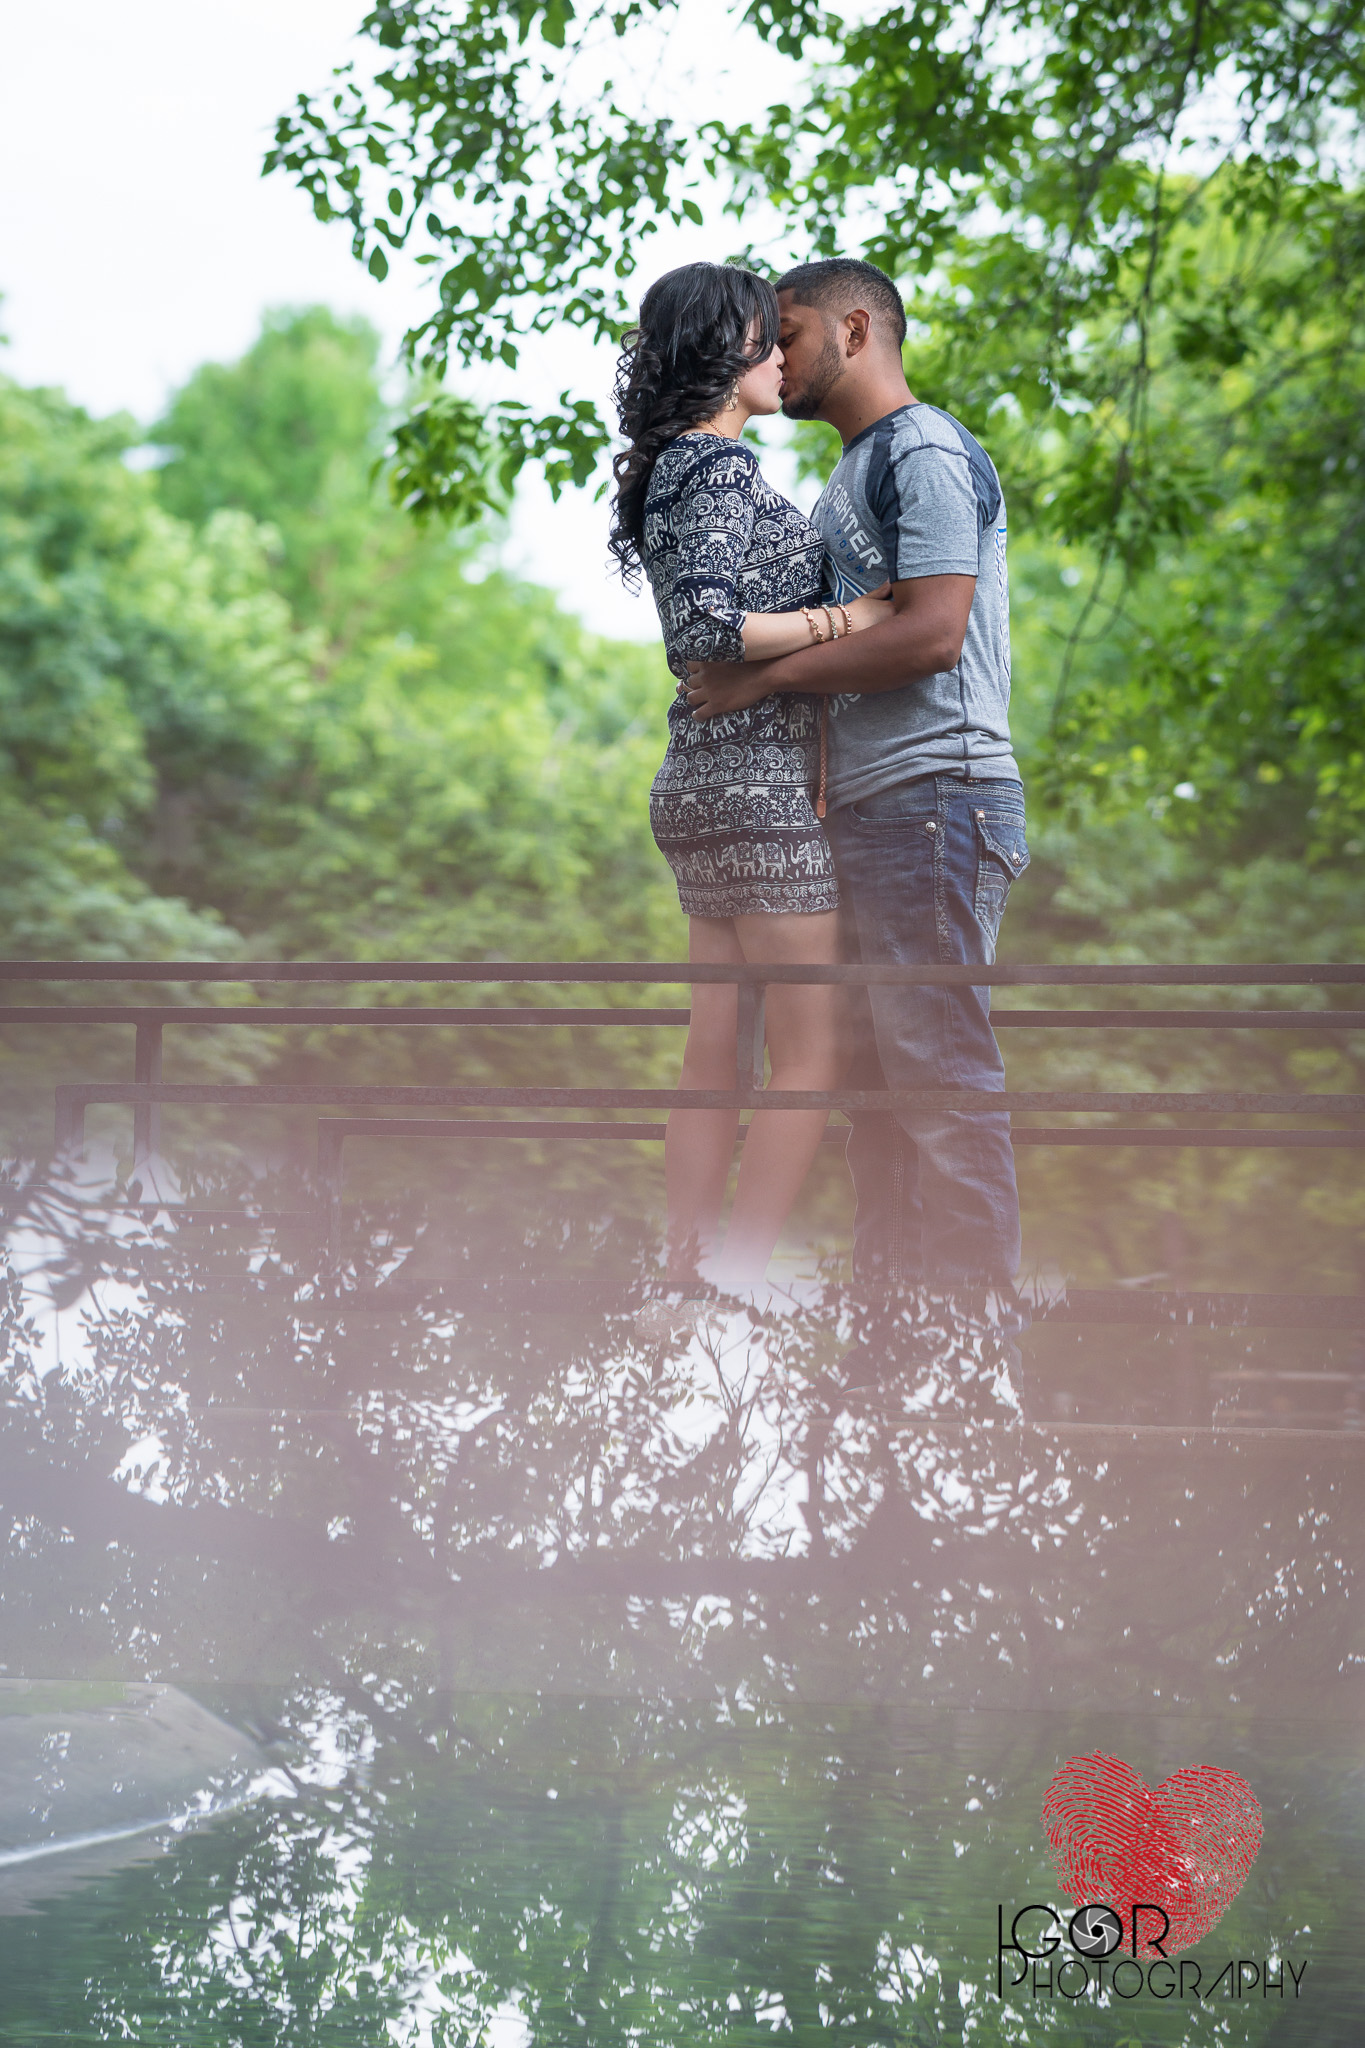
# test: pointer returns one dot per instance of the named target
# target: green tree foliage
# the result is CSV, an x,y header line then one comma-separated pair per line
x,y
1216,644
281,721
282,709
288,434
93,635
1127,228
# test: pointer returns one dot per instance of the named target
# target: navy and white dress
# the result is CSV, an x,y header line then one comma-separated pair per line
x,y
731,807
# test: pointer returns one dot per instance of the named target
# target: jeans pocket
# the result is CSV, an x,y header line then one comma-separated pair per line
x,y
1002,855
880,812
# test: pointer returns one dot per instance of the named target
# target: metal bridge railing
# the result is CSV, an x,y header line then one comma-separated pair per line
x,y
146,1093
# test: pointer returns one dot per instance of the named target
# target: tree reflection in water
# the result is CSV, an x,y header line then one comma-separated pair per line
x,y
612,1697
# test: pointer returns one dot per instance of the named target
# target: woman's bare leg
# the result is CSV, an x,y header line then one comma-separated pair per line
x,y
701,1142
807,1047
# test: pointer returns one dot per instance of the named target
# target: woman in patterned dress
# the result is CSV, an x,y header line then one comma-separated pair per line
x,y
731,564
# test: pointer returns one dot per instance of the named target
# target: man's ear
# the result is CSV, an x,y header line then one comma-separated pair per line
x,y
857,327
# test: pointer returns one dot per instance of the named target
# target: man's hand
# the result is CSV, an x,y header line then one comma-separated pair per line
x,y
720,686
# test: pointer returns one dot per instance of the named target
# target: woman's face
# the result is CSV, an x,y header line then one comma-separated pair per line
x,y
760,387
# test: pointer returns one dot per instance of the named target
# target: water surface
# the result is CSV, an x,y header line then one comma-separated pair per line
x,y
521,1683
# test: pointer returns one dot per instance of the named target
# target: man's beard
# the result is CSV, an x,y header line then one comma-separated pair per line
x,y
829,368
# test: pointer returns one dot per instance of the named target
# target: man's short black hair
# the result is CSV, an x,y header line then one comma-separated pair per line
x,y
839,281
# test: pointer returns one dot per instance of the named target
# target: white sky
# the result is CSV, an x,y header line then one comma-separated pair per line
x,y
138,239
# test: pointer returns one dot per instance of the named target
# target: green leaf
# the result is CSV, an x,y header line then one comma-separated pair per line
x,y
442,460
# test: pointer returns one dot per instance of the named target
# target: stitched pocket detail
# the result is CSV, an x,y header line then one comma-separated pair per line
x,y
1002,854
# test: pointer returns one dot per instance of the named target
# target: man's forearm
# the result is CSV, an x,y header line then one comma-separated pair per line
x,y
923,637
901,650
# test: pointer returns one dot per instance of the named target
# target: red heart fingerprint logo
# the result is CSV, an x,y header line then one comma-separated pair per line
x,y
1187,1847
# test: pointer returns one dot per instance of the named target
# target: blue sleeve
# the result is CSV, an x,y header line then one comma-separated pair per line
x,y
713,524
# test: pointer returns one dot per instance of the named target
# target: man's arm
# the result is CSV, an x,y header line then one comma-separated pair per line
x,y
922,638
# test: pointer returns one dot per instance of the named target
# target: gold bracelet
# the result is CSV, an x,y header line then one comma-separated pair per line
x,y
816,635
833,629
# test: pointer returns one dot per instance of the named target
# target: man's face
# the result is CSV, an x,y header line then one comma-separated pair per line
x,y
812,360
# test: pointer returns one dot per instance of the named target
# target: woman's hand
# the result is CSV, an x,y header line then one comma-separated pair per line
x,y
715,687
872,609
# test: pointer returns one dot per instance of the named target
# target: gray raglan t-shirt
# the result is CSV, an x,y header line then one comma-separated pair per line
x,y
916,495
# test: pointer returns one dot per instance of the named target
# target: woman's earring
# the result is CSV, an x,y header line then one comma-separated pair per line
x,y
733,400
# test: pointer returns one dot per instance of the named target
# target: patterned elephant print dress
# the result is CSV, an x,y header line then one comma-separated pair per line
x,y
731,807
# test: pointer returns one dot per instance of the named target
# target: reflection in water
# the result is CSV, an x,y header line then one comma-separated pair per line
x,y
93,1774
589,1692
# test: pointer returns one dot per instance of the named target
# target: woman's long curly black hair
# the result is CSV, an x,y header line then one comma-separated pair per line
x,y
676,369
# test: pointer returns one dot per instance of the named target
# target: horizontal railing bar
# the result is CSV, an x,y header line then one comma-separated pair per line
x,y
1294,1376
531,1127
1271,974
278,1093
1205,1311
1111,1134
1113,1305
480,1127
335,1013
1163,1439
1187,1020
519,1127
15,1196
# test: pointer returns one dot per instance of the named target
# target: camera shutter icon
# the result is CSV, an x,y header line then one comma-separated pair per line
x,y
1095,1931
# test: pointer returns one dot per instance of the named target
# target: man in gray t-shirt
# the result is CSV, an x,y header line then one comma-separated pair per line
x,y
925,805
916,495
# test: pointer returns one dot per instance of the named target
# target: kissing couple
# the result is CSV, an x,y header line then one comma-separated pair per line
x,y
839,783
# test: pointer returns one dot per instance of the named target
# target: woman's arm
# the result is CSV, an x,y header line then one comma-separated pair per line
x,y
701,617
713,523
767,635
921,636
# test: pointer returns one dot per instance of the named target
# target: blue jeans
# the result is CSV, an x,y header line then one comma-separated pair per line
x,y
924,870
